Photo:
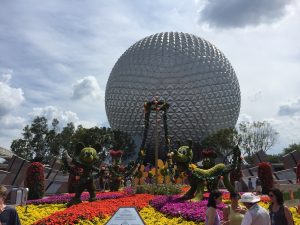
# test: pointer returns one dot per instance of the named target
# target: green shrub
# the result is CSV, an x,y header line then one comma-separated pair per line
x,y
161,189
286,196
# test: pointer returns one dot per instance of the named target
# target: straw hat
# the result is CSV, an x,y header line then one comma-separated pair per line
x,y
249,198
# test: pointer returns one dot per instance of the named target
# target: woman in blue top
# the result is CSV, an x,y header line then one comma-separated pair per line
x,y
212,216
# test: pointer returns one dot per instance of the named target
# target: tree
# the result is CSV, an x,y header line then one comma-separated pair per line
x,y
42,143
257,136
66,136
53,139
121,140
105,137
34,146
275,158
223,141
39,130
291,148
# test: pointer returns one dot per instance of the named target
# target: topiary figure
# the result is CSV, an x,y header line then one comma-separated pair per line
x,y
116,170
266,176
86,160
74,177
199,178
35,180
235,175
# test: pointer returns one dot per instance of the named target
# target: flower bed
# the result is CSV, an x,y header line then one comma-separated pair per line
x,y
90,210
175,207
163,210
64,198
32,213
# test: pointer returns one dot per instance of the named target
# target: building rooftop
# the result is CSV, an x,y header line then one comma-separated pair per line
x,y
6,153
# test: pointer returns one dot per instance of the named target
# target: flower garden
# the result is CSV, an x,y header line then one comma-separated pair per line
x,y
159,209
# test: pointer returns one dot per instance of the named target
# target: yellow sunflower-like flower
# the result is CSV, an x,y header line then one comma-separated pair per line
x,y
192,166
142,152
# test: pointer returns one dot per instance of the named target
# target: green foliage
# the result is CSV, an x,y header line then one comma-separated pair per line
x,y
223,141
161,189
274,158
41,142
103,136
291,148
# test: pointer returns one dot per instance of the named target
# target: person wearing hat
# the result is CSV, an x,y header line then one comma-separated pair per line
x,y
256,215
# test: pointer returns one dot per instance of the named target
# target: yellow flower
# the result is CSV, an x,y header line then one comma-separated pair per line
x,y
32,213
192,166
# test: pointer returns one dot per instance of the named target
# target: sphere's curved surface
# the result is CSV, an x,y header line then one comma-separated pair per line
x,y
190,73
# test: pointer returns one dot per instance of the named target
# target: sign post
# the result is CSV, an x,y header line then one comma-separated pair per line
x,y
126,216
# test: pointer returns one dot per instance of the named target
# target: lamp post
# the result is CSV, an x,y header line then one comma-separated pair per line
x,y
156,146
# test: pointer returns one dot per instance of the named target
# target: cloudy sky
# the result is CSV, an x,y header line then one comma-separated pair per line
x,y
55,57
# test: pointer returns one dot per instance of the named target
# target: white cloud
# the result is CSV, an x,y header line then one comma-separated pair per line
x,y
64,117
52,112
11,122
10,129
10,97
255,96
87,87
289,109
244,117
52,45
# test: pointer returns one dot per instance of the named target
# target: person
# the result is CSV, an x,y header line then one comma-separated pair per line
x,y
8,215
279,213
233,214
256,215
258,185
250,184
237,186
106,181
212,216
128,182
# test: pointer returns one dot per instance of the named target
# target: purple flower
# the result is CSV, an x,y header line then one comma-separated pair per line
x,y
175,206
64,198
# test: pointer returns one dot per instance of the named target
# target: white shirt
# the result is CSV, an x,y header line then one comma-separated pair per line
x,y
256,215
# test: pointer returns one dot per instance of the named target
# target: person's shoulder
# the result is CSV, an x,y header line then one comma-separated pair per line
x,y
286,209
211,210
262,209
227,208
10,208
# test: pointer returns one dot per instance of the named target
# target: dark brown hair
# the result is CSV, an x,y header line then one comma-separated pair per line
x,y
212,198
3,191
278,194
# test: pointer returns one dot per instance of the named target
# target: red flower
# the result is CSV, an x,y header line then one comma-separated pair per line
x,y
209,153
90,210
35,180
115,153
265,175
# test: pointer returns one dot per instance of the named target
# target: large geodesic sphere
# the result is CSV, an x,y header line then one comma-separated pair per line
x,y
190,73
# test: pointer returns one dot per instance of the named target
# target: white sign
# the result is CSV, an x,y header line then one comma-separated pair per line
x,y
126,216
